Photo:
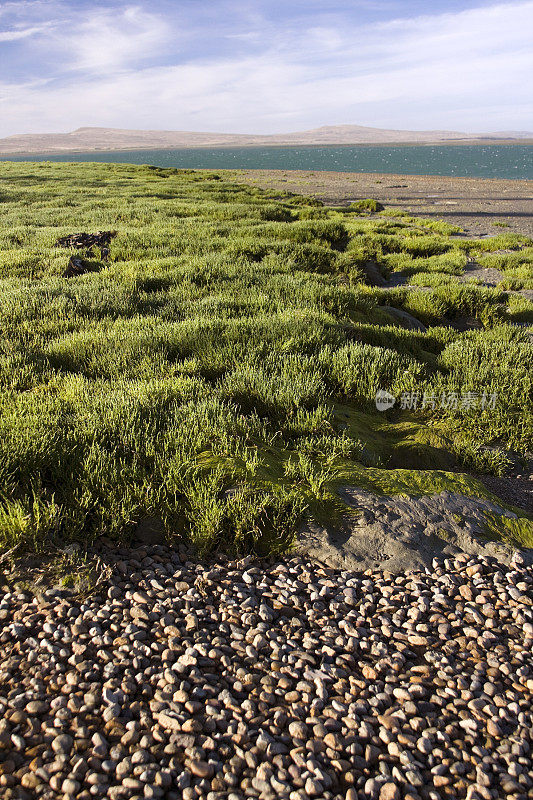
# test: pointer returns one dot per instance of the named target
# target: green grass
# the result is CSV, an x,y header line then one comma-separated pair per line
x,y
366,205
494,244
517,267
431,279
520,310
450,263
219,371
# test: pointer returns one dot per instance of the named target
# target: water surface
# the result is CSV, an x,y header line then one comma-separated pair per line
x,y
473,161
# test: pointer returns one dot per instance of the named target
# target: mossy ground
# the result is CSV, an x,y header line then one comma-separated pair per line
x,y
219,371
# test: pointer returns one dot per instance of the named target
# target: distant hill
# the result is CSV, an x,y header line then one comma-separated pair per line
x,y
87,139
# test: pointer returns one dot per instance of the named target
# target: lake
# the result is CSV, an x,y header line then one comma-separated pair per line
x,y
472,161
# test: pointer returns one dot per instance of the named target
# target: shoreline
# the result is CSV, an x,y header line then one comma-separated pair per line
x,y
151,148
480,206
220,408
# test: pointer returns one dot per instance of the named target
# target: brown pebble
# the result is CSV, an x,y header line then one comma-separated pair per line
x,y
201,769
389,791
369,672
417,641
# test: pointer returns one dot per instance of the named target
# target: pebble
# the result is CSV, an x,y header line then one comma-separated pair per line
x,y
63,743
298,730
37,707
70,786
201,769
389,791
236,679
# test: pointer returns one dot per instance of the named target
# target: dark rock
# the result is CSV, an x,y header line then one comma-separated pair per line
x,y
373,274
150,530
76,267
86,240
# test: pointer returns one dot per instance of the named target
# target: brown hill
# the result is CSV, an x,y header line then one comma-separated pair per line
x,y
89,139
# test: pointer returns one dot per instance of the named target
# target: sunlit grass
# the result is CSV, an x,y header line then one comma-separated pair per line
x,y
197,375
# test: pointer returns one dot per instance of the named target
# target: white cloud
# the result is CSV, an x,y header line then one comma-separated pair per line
x,y
108,40
23,33
468,70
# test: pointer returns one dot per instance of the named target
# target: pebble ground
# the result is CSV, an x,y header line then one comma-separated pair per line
x,y
237,680
474,204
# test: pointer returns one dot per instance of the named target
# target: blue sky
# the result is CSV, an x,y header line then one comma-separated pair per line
x,y
265,66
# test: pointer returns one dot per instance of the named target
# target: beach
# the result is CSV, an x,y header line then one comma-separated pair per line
x,y
478,205
227,571
230,680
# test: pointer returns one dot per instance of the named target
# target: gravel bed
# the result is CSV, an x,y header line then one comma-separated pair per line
x,y
474,204
286,679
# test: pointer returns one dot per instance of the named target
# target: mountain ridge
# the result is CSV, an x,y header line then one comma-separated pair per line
x,y
89,138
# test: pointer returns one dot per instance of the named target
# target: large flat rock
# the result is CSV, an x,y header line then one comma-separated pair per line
x,y
402,533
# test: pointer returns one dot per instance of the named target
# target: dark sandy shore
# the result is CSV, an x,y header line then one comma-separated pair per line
x,y
475,204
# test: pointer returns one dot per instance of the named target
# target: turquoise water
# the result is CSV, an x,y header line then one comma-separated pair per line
x,y
471,161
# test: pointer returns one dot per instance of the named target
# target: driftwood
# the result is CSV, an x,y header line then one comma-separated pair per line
x,y
80,240
77,266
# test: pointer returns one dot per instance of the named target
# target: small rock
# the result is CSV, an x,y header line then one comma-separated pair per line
x,y
389,791
201,769
298,730
62,743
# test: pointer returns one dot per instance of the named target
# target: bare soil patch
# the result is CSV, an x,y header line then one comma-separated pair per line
x,y
478,205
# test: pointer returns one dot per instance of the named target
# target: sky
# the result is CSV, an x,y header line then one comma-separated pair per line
x,y
265,66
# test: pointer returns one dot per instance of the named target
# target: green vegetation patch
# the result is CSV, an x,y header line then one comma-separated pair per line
x,y
366,205
217,369
515,532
